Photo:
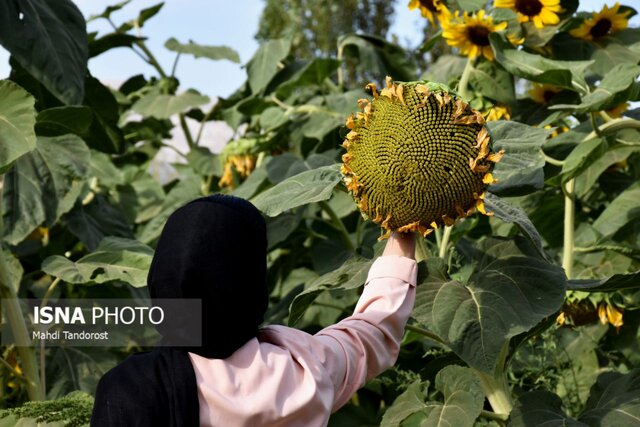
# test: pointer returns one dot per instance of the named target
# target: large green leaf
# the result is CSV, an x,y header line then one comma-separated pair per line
x,y
104,134
617,282
520,170
463,399
377,56
582,156
508,293
313,73
615,81
62,120
161,106
564,74
17,119
111,41
114,259
264,64
541,408
49,39
43,185
622,210
614,400
493,81
512,214
586,180
350,275
201,51
307,187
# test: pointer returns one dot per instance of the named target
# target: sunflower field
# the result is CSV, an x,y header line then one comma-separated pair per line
x,y
528,299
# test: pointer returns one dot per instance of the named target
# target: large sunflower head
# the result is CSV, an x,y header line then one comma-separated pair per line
x,y
429,9
470,33
607,21
540,12
238,161
418,157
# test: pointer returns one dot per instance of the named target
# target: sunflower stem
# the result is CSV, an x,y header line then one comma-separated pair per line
x,y
338,225
497,391
569,217
445,241
463,84
422,253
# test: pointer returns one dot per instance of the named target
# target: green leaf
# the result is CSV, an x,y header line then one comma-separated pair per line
x,y
377,56
614,400
93,222
313,73
319,124
520,170
471,5
204,162
307,187
493,82
106,14
613,54
589,176
352,274
564,74
148,13
202,51
408,403
446,69
61,120
615,81
43,185
541,408
49,39
161,106
264,64
104,133
114,259
512,214
112,41
622,210
581,157
617,282
17,119
508,293
463,401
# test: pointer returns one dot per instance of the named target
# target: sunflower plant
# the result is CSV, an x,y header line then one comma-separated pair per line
x,y
510,141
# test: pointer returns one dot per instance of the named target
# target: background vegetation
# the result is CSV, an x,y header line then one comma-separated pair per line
x,y
527,317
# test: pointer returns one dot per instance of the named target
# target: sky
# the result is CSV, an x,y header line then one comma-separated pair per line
x,y
211,22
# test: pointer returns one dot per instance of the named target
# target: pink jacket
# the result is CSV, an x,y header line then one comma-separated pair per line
x,y
286,377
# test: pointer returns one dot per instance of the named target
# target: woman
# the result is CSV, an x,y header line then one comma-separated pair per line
x,y
214,249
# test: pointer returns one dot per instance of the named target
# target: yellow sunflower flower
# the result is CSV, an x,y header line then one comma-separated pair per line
x,y
542,93
497,112
429,9
616,111
607,21
540,12
470,33
244,164
609,313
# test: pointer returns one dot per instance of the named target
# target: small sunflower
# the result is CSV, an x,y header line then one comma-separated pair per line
x,y
540,12
607,21
609,313
243,165
617,110
470,34
429,9
542,93
497,112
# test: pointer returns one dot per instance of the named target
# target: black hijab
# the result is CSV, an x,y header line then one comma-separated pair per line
x,y
213,249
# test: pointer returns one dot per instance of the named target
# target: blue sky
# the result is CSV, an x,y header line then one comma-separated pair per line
x,y
213,22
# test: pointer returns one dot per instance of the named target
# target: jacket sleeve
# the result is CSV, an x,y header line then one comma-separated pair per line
x,y
367,342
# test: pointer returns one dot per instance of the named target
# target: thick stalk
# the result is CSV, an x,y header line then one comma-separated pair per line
x,y
422,253
445,241
497,391
18,326
463,85
569,218
338,225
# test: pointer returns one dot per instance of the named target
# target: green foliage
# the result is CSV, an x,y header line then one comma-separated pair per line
x,y
84,202
73,410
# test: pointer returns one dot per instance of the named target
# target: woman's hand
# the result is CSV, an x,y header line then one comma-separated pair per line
x,y
403,244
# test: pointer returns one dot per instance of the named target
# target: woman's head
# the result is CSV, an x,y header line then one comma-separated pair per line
x,y
214,249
